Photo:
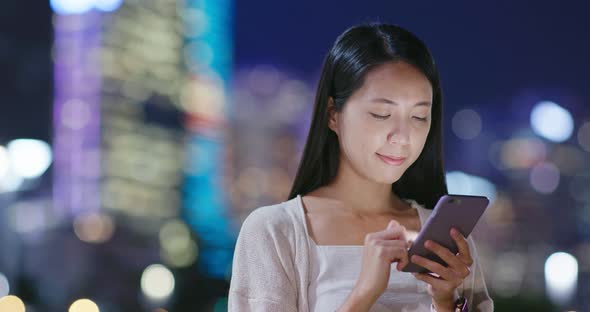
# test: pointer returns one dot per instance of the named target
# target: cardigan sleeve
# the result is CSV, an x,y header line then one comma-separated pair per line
x,y
263,275
476,291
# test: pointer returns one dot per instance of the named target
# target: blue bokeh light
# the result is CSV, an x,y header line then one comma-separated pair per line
x,y
461,183
552,121
71,6
107,5
65,7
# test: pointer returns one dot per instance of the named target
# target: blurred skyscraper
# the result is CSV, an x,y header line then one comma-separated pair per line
x,y
139,114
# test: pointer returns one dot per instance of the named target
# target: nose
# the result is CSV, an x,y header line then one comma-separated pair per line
x,y
400,133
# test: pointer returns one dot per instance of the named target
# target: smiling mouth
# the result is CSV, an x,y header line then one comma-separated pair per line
x,y
392,160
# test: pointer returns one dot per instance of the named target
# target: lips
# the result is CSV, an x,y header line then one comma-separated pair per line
x,y
392,160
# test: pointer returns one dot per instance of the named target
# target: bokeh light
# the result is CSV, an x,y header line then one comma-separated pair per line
x,y
11,183
178,249
466,124
71,6
195,21
157,282
4,162
4,285
28,217
9,180
76,114
522,153
11,304
107,5
544,178
83,305
204,96
29,158
94,227
561,277
264,80
552,121
509,270
461,183
83,6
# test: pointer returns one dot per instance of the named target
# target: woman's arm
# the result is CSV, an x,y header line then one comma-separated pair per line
x,y
263,275
357,301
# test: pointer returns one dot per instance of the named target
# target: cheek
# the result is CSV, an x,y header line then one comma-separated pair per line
x,y
359,139
418,141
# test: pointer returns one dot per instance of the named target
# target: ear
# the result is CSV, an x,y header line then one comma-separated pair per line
x,y
332,116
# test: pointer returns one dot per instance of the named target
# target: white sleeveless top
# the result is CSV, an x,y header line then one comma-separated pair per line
x,y
273,263
335,270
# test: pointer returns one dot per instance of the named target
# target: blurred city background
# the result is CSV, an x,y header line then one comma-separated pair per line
x,y
136,135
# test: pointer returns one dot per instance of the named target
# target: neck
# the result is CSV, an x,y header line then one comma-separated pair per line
x,y
363,196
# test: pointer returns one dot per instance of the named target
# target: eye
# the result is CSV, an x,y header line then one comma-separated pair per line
x,y
380,116
420,119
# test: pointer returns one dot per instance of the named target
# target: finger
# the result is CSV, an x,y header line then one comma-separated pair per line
x,y
402,262
399,246
393,251
445,254
398,232
393,243
464,252
392,224
434,267
436,283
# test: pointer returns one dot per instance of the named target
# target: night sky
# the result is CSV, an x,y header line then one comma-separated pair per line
x,y
487,53
26,71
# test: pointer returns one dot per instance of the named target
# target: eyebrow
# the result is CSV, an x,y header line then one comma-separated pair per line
x,y
388,101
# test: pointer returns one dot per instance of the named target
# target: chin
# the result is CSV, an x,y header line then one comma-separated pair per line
x,y
390,178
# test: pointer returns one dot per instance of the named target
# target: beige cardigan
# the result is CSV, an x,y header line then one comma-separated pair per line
x,y
271,266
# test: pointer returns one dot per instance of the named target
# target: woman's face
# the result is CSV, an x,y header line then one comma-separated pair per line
x,y
384,124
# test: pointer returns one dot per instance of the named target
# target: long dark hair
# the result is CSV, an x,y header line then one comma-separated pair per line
x,y
355,52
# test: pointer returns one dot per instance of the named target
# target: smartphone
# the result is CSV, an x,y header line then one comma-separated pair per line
x,y
451,211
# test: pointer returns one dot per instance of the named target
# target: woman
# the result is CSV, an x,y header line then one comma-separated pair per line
x,y
371,173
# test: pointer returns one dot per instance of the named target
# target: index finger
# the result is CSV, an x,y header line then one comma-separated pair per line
x,y
393,231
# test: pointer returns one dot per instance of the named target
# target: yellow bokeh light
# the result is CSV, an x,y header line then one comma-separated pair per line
x,y
11,304
177,247
84,305
157,282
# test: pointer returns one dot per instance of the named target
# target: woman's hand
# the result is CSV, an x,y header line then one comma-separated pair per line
x,y
442,288
381,249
